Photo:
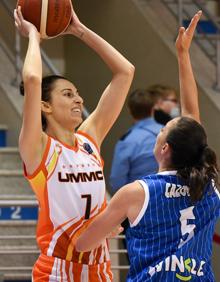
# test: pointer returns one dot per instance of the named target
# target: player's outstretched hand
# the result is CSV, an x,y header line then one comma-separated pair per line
x,y
24,27
119,229
185,36
75,26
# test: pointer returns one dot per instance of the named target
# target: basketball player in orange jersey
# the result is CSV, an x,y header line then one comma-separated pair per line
x,y
64,167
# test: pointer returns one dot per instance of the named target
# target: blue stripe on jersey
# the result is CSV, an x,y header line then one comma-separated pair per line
x,y
173,239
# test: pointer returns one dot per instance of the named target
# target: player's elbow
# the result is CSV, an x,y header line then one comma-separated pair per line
x,y
129,70
31,78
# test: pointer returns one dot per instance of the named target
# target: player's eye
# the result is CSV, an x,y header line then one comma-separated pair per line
x,y
69,94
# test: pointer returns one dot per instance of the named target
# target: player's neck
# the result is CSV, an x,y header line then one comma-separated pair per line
x,y
63,135
165,167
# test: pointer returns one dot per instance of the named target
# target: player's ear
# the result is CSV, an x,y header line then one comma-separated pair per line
x,y
165,149
45,107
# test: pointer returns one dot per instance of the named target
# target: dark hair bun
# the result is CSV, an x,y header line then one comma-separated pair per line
x,y
21,88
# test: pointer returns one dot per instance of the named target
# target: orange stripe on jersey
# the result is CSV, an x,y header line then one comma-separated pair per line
x,y
94,256
102,272
105,271
45,226
54,269
52,164
94,275
60,229
108,270
77,271
93,210
64,245
61,270
84,257
67,268
38,181
98,254
42,269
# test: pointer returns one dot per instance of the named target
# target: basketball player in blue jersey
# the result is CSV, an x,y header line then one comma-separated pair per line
x,y
172,213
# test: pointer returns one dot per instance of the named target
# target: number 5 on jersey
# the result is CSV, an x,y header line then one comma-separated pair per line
x,y
187,230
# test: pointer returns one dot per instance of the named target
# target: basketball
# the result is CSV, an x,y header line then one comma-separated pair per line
x,y
51,17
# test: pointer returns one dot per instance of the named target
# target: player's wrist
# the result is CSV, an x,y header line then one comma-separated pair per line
x,y
78,31
33,33
183,53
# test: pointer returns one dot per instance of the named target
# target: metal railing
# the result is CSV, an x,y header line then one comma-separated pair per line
x,y
18,203
209,43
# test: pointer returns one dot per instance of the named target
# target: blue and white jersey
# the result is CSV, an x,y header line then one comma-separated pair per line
x,y
171,239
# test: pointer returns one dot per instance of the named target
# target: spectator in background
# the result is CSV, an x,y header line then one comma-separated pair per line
x,y
166,103
133,155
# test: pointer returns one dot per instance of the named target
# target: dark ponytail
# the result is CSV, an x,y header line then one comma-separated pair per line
x,y
195,161
46,87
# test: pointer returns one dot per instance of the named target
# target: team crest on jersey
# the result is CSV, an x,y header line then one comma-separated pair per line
x,y
176,190
185,269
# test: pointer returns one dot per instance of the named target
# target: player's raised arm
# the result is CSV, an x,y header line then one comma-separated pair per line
x,y
113,98
31,135
188,88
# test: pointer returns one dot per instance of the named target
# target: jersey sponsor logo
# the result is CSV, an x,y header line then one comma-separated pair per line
x,y
185,268
176,190
81,176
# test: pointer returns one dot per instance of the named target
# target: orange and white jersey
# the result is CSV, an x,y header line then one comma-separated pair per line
x,y
70,187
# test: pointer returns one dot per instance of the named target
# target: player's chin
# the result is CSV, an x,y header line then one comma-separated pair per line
x,y
77,121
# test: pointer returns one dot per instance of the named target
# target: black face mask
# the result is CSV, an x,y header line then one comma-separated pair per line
x,y
162,117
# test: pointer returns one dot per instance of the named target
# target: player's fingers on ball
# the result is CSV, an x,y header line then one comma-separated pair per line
x,y
20,14
15,14
17,20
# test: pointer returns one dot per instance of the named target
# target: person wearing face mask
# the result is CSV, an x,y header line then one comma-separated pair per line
x,y
166,103
133,154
